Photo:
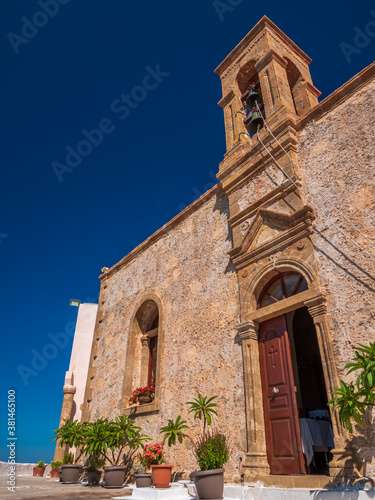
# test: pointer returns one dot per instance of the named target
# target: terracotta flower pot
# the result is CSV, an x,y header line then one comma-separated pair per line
x,y
161,475
93,477
114,476
55,473
70,473
209,484
143,480
144,399
38,471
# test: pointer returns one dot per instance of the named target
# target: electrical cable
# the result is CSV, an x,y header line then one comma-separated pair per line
x,y
314,185
307,198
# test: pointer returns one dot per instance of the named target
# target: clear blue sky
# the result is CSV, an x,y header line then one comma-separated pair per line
x,y
69,76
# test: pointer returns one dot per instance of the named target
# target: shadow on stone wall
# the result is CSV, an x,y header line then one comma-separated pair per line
x,y
348,259
353,476
222,204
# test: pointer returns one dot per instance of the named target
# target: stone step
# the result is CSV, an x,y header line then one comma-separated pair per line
x,y
180,492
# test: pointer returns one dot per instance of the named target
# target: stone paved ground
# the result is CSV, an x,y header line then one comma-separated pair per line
x,y
35,488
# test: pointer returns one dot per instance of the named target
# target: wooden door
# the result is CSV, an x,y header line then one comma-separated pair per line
x,y
283,438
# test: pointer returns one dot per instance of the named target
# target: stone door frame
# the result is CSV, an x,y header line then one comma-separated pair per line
x,y
314,298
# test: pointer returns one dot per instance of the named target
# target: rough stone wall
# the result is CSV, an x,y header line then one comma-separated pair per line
x,y
189,269
336,153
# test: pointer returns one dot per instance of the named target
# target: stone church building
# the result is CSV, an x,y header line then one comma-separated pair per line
x,y
258,291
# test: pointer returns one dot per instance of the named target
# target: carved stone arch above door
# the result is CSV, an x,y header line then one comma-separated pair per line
x,y
252,286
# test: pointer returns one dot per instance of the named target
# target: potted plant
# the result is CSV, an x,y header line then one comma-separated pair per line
x,y
38,470
154,457
117,441
211,452
55,464
68,458
210,449
72,433
143,395
94,463
142,478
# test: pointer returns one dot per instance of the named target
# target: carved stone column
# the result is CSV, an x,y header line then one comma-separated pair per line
x,y
66,413
256,463
144,360
342,463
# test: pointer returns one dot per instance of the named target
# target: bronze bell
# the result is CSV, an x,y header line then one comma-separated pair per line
x,y
255,120
252,98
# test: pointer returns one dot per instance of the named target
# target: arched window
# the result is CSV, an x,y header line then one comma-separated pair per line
x,y
280,287
142,366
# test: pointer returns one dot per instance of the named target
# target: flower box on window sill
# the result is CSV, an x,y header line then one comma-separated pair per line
x,y
141,409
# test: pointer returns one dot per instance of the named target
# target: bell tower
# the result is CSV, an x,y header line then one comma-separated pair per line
x,y
266,59
267,91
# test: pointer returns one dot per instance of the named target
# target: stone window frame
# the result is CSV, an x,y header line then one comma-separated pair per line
x,y
137,340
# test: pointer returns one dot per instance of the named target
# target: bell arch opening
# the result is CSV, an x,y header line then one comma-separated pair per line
x,y
251,97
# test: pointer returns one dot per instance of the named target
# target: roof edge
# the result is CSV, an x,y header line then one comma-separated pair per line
x,y
263,23
180,217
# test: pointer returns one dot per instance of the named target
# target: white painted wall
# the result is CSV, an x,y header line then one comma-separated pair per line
x,y
80,357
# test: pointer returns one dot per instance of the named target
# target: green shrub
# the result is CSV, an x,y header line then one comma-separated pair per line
x,y
41,463
68,458
212,451
55,464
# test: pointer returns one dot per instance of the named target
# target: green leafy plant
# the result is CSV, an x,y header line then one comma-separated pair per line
x,y
55,464
95,462
203,408
211,450
352,400
174,430
68,458
42,464
116,440
72,433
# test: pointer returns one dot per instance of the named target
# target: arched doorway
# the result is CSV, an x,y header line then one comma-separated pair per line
x,y
292,381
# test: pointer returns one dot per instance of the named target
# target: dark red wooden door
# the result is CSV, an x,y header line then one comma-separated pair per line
x,y
283,438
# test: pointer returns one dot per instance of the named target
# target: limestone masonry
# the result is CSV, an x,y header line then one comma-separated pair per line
x,y
251,293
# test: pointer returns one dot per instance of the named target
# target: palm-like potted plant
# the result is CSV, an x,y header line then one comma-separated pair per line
x,y
55,464
72,433
211,452
117,441
210,449
38,470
